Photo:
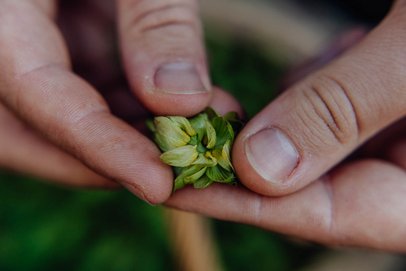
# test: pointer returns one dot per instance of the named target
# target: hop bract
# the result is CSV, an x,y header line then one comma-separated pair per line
x,y
197,148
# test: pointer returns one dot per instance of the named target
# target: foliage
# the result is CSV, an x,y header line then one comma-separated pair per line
x,y
198,148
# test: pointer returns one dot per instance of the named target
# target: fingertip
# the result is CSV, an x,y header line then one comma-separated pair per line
x,y
162,189
148,178
152,196
223,102
170,89
256,167
164,55
191,104
161,103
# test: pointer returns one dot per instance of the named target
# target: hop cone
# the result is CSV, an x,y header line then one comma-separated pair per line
x,y
197,148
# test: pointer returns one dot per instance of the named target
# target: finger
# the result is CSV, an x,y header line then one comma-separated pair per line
x,y
124,105
127,107
37,84
319,121
164,56
223,102
344,42
361,204
24,151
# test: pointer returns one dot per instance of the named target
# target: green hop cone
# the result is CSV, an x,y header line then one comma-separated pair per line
x,y
197,148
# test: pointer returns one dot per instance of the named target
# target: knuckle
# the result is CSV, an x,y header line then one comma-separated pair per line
x,y
148,16
77,126
328,108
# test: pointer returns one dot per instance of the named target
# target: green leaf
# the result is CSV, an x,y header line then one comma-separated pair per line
x,y
211,113
199,125
202,183
235,122
223,156
211,135
218,174
150,125
193,140
187,175
180,157
184,124
209,161
224,131
179,183
194,177
198,148
201,148
168,134
231,116
178,170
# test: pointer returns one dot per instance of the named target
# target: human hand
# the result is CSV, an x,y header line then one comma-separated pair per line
x,y
290,154
68,131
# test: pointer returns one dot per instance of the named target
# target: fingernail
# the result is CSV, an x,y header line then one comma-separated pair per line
x,y
179,78
272,154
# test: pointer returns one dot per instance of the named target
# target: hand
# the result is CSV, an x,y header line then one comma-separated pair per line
x,y
290,153
56,125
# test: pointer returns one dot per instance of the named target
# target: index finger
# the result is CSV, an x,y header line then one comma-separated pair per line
x,y
36,82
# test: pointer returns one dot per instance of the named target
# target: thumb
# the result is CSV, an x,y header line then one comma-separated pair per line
x,y
316,123
163,54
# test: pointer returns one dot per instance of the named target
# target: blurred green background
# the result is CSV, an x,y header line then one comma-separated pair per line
x,y
44,227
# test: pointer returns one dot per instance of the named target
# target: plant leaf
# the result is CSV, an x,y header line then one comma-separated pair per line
x,y
224,131
218,174
231,116
210,113
150,125
195,176
178,183
183,124
181,180
180,157
235,122
198,148
203,182
205,161
211,135
168,134
198,124
223,156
